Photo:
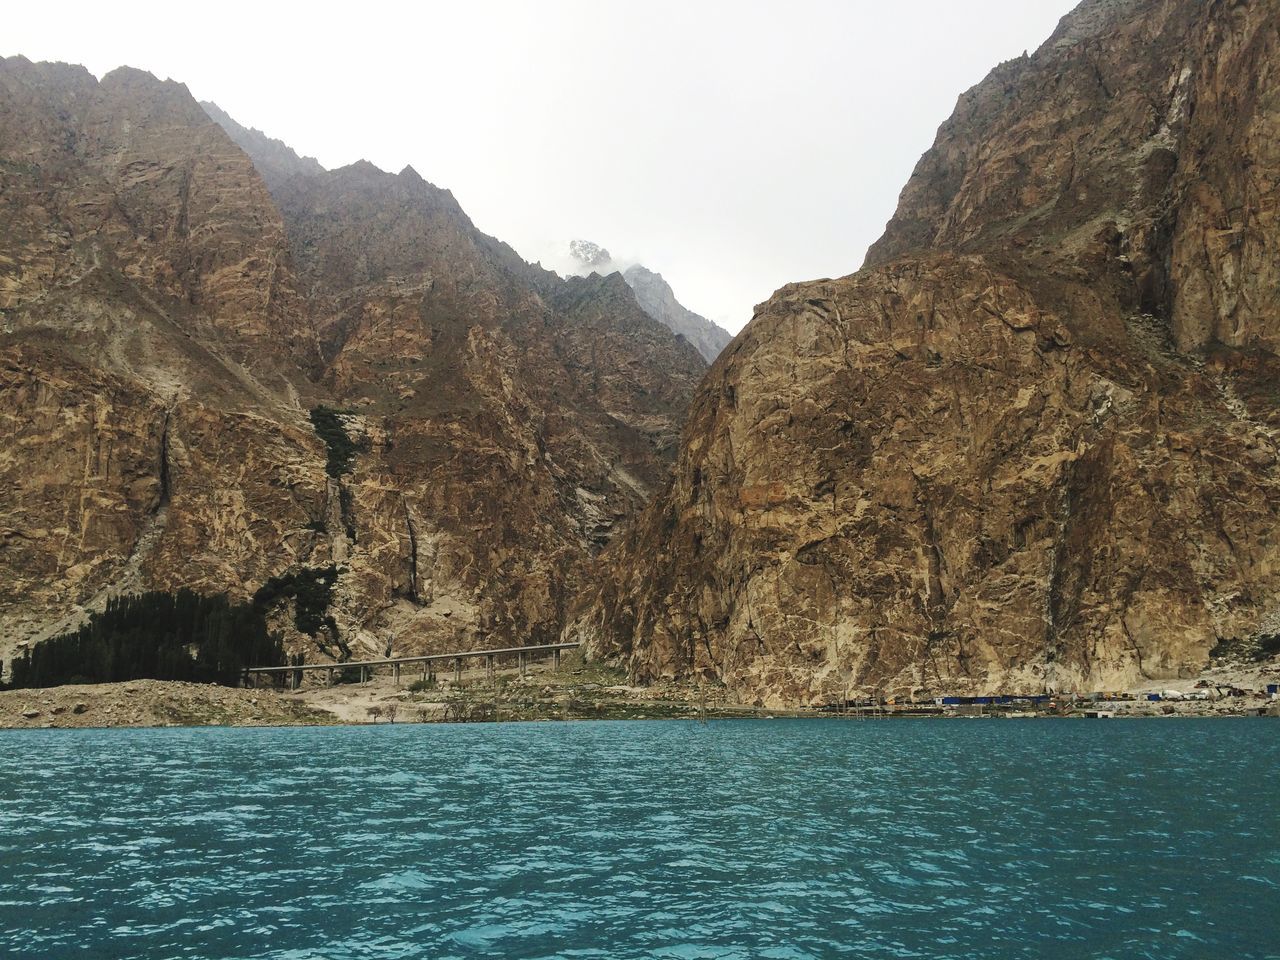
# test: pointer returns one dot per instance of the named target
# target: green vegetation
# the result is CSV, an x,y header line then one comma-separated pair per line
x,y
182,636
155,636
346,506
1250,649
341,449
312,592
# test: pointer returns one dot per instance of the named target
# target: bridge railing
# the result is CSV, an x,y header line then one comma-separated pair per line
x,y
426,660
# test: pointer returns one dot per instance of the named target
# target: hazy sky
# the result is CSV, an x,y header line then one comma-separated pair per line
x,y
732,146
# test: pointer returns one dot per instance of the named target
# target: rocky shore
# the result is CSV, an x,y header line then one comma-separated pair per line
x,y
578,691
153,703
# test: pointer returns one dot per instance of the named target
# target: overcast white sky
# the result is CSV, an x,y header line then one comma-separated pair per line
x,y
732,146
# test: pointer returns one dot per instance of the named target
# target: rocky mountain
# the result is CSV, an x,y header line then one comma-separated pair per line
x,y
274,160
237,372
656,298
513,418
1032,444
592,256
147,351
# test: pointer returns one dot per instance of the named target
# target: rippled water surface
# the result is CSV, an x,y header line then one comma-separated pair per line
x,y
743,839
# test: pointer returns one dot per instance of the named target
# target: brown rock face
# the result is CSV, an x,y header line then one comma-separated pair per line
x,y
1032,444
1137,148
514,418
196,390
125,193
274,160
148,336
656,298
659,301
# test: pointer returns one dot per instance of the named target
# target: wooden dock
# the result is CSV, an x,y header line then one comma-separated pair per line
x,y
427,661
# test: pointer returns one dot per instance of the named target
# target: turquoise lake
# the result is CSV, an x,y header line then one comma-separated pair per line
x,y
770,839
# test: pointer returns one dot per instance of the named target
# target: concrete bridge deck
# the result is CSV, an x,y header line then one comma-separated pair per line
x,y
426,660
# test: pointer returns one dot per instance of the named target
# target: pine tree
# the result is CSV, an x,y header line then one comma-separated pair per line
x,y
156,635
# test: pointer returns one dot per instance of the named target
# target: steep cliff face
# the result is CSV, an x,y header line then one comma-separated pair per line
x,y
656,298
515,418
1138,149
196,390
124,191
274,159
151,337
1032,444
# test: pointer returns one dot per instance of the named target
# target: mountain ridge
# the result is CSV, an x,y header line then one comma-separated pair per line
x,y
1031,445
214,376
656,298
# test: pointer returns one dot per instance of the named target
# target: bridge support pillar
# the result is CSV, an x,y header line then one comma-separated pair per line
x,y
523,662
556,659
330,682
395,672
426,668
488,667
457,669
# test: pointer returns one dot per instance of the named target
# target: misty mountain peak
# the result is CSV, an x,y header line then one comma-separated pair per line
x,y
655,296
590,255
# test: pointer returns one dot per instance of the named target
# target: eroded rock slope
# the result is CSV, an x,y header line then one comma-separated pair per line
x,y
655,296
344,389
1032,443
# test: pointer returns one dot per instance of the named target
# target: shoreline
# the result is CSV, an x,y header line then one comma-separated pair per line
x,y
587,692
552,720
